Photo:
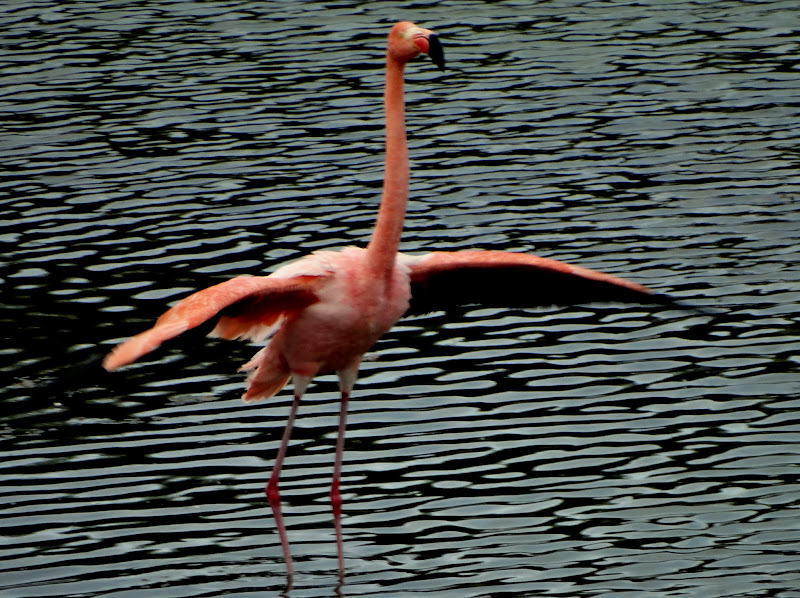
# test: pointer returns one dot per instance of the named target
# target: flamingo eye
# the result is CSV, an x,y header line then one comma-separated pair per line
x,y
421,42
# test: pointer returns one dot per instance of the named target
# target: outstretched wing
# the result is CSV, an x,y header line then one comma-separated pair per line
x,y
249,306
441,279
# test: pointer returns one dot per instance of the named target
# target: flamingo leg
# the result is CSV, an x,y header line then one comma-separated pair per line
x,y
336,498
273,493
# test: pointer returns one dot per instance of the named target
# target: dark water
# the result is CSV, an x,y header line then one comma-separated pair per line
x,y
153,148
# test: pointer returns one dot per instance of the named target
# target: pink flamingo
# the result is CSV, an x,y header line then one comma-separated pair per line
x,y
324,311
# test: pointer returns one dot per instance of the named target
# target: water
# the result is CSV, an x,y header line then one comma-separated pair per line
x,y
153,148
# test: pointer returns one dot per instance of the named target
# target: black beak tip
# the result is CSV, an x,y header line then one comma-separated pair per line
x,y
435,51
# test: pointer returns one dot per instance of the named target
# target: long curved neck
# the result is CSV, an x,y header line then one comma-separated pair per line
x,y
385,241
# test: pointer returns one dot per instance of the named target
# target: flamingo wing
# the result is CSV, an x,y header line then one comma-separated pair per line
x,y
249,306
441,280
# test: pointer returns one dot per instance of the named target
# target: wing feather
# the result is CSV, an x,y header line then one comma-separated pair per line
x,y
441,280
249,304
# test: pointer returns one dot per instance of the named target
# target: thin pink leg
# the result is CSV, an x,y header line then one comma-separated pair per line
x,y
336,499
273,494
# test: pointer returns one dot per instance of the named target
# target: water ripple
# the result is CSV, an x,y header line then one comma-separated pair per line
x,y
591,451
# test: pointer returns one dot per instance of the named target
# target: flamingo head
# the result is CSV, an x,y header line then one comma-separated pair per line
x,y
407,40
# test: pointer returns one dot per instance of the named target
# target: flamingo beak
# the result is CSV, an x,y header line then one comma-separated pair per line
x,y
428,43
435,50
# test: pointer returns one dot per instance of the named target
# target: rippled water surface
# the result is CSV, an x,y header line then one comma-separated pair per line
x,y
148,149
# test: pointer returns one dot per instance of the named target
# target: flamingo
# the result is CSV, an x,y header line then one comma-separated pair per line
x,y
323,312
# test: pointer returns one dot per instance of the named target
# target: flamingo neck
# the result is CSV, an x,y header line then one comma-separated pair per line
x,y
385,241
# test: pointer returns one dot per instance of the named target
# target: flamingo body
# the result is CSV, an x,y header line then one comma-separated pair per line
x,y
348,314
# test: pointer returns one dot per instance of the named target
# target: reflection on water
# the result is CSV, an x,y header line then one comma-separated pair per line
x,y
152,149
